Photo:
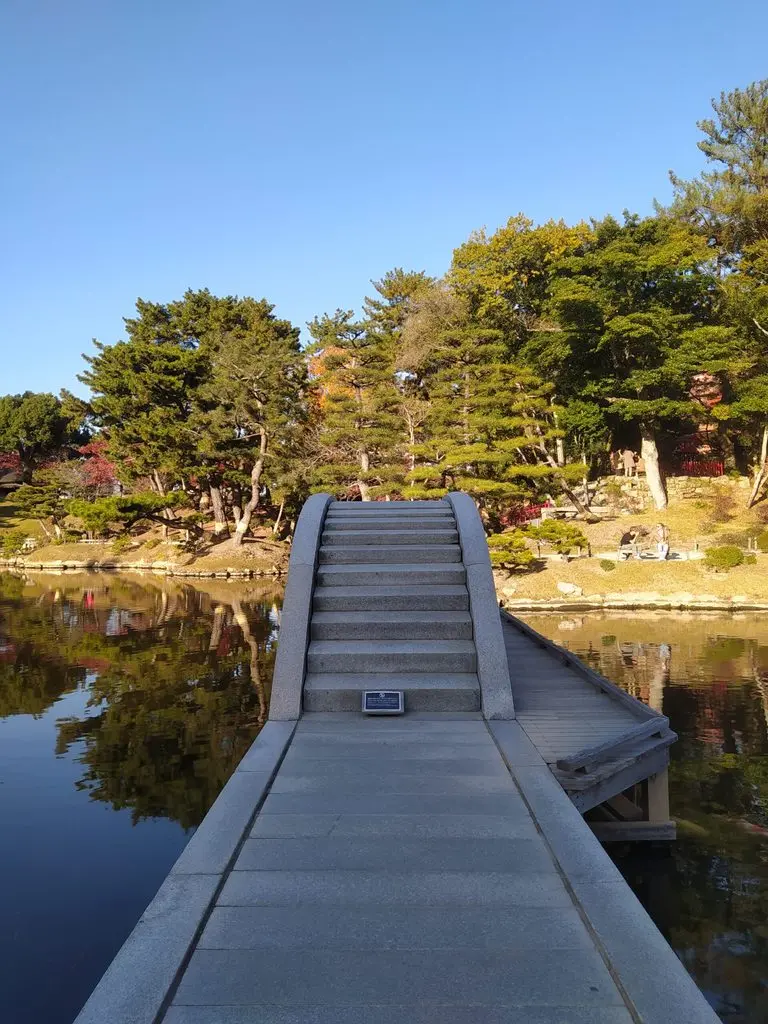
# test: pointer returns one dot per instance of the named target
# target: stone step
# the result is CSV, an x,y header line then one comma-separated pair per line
x,y
403,598
424,691
399,554
336,506
385,625
399,509
339,523
377,574
391,656
388,537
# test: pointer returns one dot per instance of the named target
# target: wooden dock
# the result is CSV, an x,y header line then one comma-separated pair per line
x,y
429,867
608,750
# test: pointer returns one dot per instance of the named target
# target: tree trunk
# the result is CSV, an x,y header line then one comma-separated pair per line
x,y
585,480
559,442
566,488
762,471
220,527
258,685
365,465
253,502
276,527
45,529
217,627
649,453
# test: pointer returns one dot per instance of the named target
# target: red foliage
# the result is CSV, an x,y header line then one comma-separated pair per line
x,y
10,462
98,470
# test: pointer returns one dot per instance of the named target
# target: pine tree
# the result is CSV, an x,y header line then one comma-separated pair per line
x,y
488,429
356,443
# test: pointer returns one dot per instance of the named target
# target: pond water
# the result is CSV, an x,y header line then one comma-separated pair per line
x,y
708,892
125,704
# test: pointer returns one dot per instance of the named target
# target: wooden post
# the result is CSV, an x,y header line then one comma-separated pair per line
x,y
658,797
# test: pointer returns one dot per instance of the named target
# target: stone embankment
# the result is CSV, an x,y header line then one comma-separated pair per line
x,y
633,599
162,568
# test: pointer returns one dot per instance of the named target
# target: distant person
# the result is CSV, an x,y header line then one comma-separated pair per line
x,y
662,541
628,459
640,466
628,543
614,460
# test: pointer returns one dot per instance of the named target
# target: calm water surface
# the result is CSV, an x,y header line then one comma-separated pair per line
x,y
125,704
709,892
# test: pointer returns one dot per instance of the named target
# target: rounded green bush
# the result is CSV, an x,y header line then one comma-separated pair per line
x,y
723,558
607,564
762,541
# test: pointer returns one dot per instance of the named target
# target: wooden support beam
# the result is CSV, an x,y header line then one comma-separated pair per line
x,y
624,809
633,831
605,751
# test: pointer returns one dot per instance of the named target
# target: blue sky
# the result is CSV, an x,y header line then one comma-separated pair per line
x,y
296,150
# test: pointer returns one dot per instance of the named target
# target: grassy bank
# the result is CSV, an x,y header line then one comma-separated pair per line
x,y
259,555
711,519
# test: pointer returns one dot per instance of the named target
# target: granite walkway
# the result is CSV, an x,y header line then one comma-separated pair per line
x,y
395,872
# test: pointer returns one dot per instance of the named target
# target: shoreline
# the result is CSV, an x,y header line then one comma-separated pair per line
x,y
614,604
156,568
657,602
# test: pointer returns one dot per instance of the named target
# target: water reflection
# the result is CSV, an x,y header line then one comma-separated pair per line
x,y
129,695
709,893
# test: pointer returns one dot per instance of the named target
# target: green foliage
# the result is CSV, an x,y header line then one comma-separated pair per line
x,y
723,558
205,391
42,500
121,543
510,551
482,423
354,368
607,565
12,542
762,541
103,515
563,537
750,559
34,427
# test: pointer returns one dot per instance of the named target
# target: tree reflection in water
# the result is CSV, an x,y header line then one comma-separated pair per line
x,y
177,679
709,892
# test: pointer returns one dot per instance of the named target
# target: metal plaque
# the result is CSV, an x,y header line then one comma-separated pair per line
x,y
383,702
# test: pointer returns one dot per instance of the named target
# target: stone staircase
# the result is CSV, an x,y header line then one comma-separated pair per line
x,y
390,609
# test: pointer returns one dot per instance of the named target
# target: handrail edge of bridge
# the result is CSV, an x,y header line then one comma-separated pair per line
x,y
492,664
290,662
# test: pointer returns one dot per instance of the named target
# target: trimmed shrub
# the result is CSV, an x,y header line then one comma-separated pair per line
x,y
762,541
563,537
509,550
723,558
607,564
13,542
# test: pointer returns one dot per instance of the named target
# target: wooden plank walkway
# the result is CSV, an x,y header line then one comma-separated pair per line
x,y
560,710
598,740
